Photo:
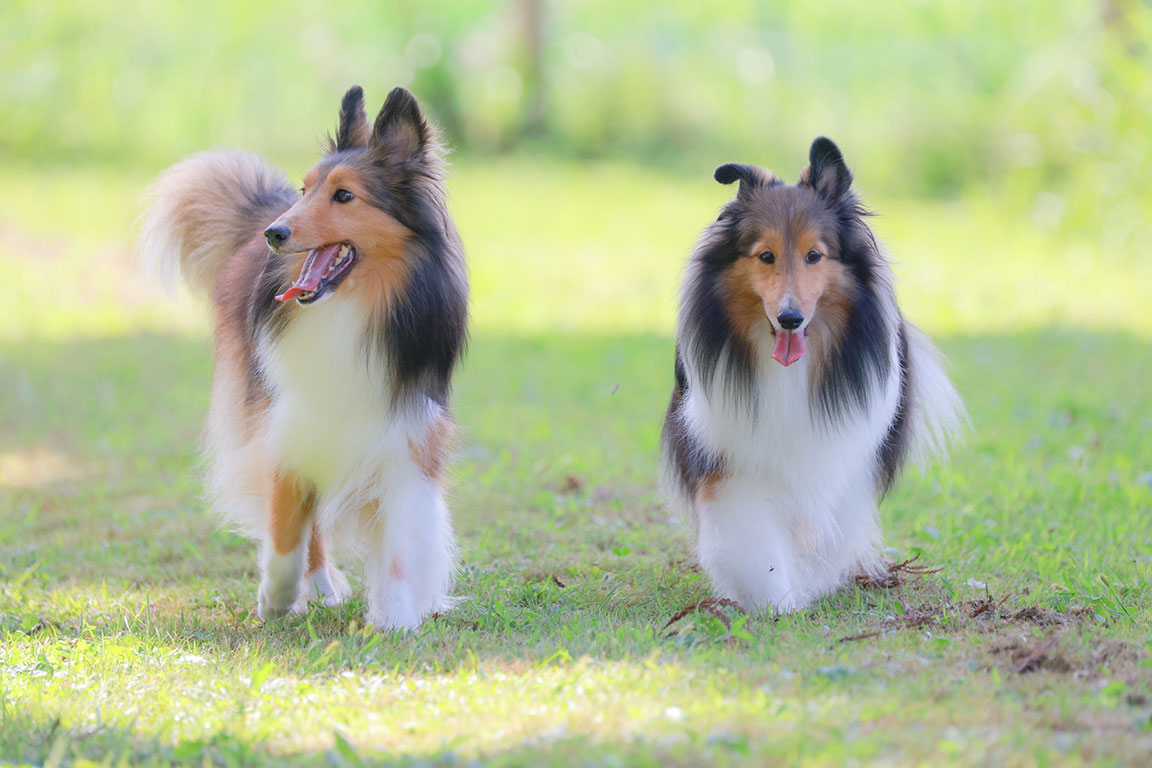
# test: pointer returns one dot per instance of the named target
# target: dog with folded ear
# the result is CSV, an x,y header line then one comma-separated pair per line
x,y
799,390
340,314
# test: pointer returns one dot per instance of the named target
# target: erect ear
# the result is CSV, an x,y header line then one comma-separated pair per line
x,y
750,176
400,133
353,129
826,173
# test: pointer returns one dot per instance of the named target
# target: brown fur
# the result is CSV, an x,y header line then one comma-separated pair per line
x,y
705,491
290,512
235,353
432,455
316,551
789,228
380,240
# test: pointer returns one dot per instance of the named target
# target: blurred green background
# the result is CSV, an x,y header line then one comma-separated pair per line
x,y
1006,145
1044,103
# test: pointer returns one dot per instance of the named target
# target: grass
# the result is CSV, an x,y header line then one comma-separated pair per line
x,y
127,617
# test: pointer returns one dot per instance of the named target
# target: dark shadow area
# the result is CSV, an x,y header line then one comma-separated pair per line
x,y
554,492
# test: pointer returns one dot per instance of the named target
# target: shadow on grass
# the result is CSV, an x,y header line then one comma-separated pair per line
x,y
565,549
554,493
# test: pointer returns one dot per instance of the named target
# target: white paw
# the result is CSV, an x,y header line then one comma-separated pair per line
x,y
326,584
397,611
275,601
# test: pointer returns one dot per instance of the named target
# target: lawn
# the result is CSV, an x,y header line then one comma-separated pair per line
x,y
127,617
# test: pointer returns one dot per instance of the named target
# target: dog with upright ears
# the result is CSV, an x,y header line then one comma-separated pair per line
x,y
799,390
340,315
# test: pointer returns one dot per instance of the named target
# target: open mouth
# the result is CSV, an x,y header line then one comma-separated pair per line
x,y
322,271
790,345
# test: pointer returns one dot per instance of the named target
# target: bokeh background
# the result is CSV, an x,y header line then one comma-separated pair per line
x,y
1006,148
987,132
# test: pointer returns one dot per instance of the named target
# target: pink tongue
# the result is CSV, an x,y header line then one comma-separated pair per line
x,y
315,267
789,347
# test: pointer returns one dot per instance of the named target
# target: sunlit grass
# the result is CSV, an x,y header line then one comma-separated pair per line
x,y
127,617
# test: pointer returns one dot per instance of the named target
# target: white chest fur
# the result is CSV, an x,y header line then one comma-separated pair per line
x,y
331,417
800,458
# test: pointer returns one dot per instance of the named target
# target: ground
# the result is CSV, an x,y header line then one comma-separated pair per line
x,y
128,618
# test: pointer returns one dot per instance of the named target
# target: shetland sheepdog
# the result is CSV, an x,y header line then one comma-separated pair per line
x,y
800,388
340,314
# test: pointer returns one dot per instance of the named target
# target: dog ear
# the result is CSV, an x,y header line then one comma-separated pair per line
x,y
353,129
401,133
826,173
751,177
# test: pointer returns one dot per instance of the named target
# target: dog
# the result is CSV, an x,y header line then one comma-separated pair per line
x,y
340,314
799,389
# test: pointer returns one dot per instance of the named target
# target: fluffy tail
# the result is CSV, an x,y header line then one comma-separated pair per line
x,y
202,209
938,415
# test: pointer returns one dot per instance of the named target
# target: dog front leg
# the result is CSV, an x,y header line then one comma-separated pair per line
x,y
410,564
746,549
284,551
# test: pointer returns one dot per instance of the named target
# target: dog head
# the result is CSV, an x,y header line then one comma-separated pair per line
x,y
363,201
787,266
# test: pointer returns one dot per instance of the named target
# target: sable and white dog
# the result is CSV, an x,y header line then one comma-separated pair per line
x,y
340,314
800,388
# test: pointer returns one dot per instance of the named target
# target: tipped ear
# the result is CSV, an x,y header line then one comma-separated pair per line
x,y
750,176
826,173
400,133
353,129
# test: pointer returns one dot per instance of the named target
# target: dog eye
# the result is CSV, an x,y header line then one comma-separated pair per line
x,y
342,196
813,257
767,257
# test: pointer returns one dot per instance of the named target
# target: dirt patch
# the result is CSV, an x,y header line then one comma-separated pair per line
x,y
1035,655
929,609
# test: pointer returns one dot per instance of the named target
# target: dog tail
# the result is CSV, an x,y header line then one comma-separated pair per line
x,y
202,209
938,414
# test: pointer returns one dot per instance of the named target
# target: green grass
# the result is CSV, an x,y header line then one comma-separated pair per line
x,y
128,627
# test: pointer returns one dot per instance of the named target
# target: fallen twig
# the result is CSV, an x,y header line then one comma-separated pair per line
x,y
711,605
892,578
861,636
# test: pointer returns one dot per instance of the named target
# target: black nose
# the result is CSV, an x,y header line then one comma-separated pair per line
x,y
789,319
277,235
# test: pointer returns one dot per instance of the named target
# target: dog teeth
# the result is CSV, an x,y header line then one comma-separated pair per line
x,y
345,255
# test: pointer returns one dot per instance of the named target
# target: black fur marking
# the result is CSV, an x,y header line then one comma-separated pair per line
x,y
713,338
352,131
425,333
828,173
730,172
751,177
692,463
894,449
264,203
266,311
861,356
400,133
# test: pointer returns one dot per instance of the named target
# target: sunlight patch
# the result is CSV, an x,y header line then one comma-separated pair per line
x,y
36,468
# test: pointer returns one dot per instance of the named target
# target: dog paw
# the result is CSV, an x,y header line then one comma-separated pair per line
x,y
272,603
326,584
397,615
